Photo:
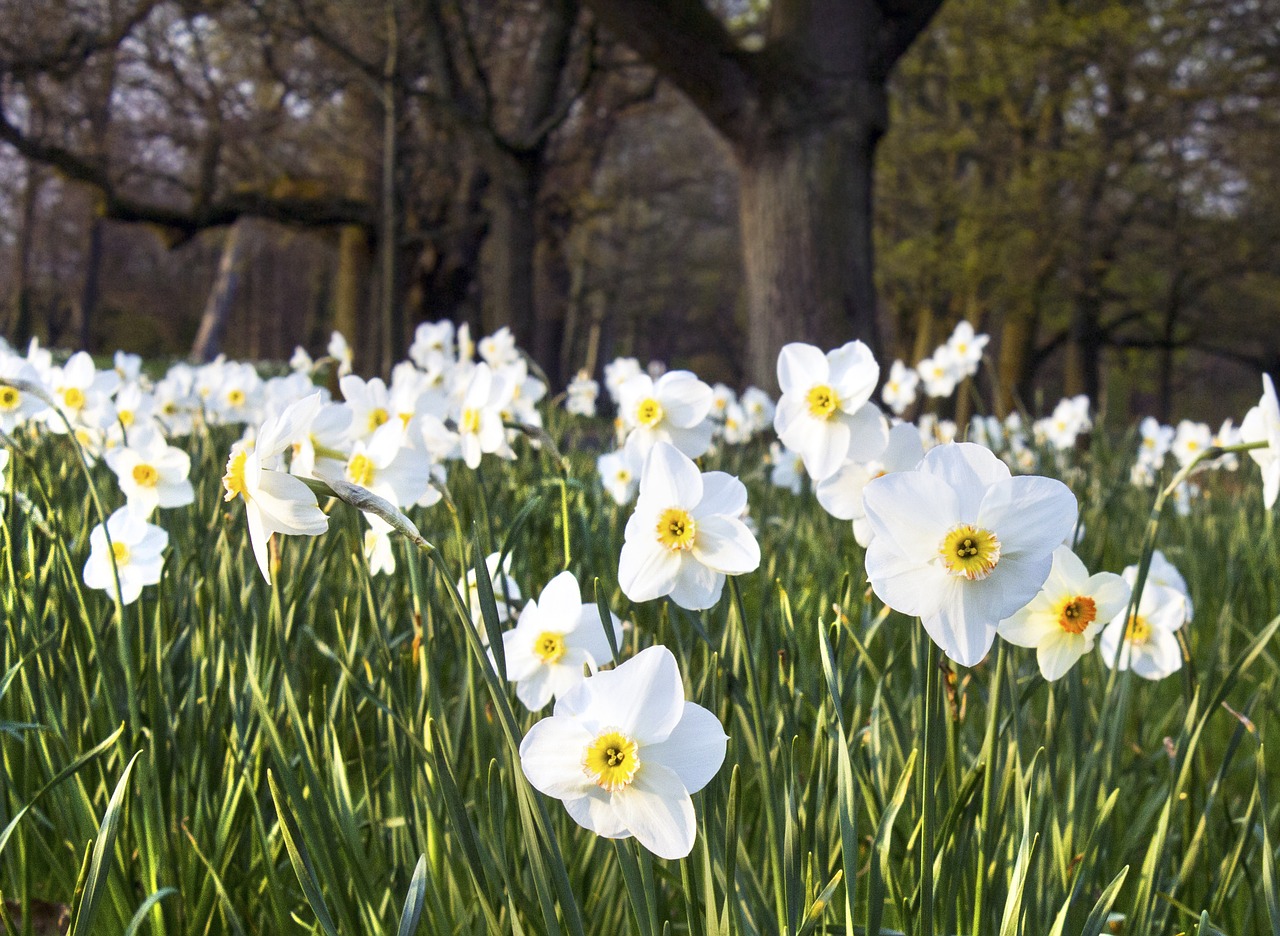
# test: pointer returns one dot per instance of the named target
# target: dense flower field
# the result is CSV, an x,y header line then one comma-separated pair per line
x,y
316,653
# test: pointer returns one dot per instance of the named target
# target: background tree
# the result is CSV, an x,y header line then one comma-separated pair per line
x,y
801,98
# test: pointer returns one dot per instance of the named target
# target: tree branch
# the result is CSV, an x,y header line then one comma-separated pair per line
x,y
904,20
691,48
183,225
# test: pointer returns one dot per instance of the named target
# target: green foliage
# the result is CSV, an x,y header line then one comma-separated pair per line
x,y
335,753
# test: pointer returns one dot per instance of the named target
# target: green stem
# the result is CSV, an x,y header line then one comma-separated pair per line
x,y
985,837
928,788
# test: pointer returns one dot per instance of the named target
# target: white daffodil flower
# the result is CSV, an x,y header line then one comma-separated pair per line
x,y
555,637
1262,424
479,417
686,533
939,373
961,544
899,390
824,413
137,547
624,752
675,409
617,372
83,394
580,396
17,406
275,501
385,465
1150,646
619,475
369,403
1162,572
378,551
841,494
341,352
152,473
965,348
1062,622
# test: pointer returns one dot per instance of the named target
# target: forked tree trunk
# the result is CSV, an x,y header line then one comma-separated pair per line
x,y
803,114
805,209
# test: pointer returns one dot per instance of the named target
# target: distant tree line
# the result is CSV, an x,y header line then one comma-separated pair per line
x,y
1093,182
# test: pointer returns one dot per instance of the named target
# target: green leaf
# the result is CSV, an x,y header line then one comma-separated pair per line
x,y
300,859
414,900
100,863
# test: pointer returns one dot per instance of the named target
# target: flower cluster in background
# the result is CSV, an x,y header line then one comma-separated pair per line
x,y
957,529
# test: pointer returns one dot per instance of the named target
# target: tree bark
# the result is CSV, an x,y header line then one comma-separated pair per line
x,y
20,325
508,252
218,307
805,209
804,115
350,282
1085,340
86,308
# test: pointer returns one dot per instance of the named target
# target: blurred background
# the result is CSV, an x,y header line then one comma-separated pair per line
x,y
1095,184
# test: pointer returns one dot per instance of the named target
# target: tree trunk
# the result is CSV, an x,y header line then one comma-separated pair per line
x,y
803,113
218,306
805,207
20,327
1017,336
1084,351
508,252
85,310
350,282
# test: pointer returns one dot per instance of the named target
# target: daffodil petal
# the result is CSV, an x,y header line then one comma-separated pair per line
x,y
657,810
695,748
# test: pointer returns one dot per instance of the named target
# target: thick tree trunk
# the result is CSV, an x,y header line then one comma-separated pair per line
x,y
805,207
803,114
507,257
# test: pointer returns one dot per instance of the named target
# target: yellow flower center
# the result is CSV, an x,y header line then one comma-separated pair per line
x,y
73,397
10,398
823,401
549,647
360,470
611,760
649,412
145,476
233,480
970,551
1138,630
1075,614
125,416
676,529
377,417
235,397
470,421
121,552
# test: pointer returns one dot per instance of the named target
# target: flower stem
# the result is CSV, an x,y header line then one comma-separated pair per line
x,y
928,787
